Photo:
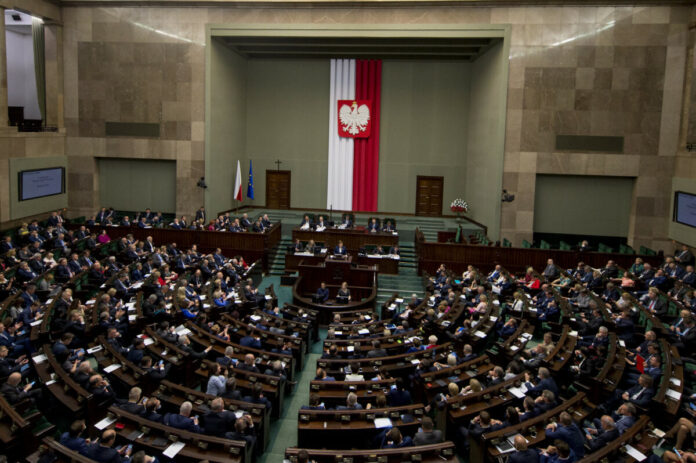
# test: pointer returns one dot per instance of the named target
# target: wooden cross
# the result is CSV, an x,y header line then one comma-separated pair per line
x,y
278,163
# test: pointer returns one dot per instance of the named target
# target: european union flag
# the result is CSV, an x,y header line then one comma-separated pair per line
x,y
250,188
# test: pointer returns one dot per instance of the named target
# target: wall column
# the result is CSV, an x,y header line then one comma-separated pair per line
x,y
54,74
4,119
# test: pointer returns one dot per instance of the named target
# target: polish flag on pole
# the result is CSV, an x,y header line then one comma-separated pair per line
x,y
238,184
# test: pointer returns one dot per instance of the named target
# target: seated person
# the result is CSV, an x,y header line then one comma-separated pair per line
x,y
389,227
351,403
343,295
346,222
394,440
182,420
322,293
378,251
340,249
373,226
321,224
298,246
311,247
427,434
306,224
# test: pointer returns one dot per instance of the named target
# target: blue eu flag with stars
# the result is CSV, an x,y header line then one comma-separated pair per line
x,y
250,188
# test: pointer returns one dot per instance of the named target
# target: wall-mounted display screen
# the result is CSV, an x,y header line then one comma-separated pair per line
x,y
685,208
39,183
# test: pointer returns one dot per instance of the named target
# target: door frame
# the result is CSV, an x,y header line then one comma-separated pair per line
x,y
429,177
289,173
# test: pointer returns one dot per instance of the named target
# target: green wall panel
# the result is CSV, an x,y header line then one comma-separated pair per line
x,y
136,184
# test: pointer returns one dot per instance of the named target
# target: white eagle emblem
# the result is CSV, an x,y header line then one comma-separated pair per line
x,y
354,118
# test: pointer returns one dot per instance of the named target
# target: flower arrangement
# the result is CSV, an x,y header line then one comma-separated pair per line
x,y
459,206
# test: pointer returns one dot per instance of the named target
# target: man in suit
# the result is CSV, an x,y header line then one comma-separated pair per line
x,y
546,382
689,277
684,257
103,451
218,421
346,222
340,249
245,222
15,393
394,250
72,439
607,436
321,224
427,434
551,271
101,389
249,364
137,352
200,214
63,272
388,227
183,419
377,350
373,226
351,403
398,396
567,431
102,215
6,245
133,404
655,304
522,454
306,223
322,293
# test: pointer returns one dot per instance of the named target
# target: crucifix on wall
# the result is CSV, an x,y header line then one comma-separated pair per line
x,y
278,163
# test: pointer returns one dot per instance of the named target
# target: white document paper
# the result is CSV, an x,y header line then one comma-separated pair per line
x,y
172,450
398,300
480,334
94,349
103,424
635,453
41,358
36,323
672,394
674,381
382,423
112,367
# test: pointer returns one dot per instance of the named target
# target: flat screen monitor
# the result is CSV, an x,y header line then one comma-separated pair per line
x,y
685,208
38,183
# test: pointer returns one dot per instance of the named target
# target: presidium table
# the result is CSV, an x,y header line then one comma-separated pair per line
x,y
356,240
361,279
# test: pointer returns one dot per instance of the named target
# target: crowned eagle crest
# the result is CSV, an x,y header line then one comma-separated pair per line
x,y
354,118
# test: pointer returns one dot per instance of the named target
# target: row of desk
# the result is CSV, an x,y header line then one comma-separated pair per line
x,y
251,246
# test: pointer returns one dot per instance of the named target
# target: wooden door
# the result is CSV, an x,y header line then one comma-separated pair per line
x,y
429,195
278,189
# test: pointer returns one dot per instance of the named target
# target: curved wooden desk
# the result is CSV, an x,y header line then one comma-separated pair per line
x,y
362,282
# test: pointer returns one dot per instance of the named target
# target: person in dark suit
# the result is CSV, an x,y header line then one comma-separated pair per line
x,y
200,214
137,352
314,403
427,434
684,256
182,420
373,226
249,364
15,393
340,249
346,222
103,451
655,304
251,341
567,431
351,403
101,389
522,454
607,436
245,222
133,405
6,245
389,227
322,293
377,350
551,271
306,223
398,396
394,251
151,407
72,438
218,421
546,382
394,440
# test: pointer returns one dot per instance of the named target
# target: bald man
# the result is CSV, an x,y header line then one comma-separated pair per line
x,y
103,451
522,454
15,393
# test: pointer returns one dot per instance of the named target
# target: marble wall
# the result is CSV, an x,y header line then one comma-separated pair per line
x,y
573,70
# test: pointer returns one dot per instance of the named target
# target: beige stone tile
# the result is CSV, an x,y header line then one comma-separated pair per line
x,y
528,162
651,15
584,78
524,221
